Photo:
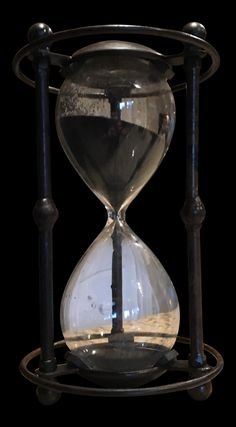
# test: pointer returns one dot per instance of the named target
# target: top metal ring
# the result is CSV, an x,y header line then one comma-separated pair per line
x,y
175,60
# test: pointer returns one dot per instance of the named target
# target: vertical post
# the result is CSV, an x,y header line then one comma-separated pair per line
x,y
115,97
193,212
116,287
45,213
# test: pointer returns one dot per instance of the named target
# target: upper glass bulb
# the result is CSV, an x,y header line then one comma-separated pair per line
x,y
115,117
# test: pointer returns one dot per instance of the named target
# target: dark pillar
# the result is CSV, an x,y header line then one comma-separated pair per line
x,y
45,213
193,212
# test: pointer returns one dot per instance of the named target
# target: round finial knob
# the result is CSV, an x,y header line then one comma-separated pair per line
x,y
202,392
38,31
47,397
196,29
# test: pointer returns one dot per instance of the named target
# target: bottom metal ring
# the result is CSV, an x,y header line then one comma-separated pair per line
x,y
52,383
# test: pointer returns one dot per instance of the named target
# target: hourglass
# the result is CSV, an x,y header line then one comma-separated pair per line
x,y
115,117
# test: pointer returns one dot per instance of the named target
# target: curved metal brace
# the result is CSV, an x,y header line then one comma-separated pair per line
x,y
50,383
175,60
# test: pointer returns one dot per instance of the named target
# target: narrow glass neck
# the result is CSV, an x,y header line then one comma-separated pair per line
x,y
116,216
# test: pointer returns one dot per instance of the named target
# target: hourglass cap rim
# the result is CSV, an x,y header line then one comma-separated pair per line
x,y
116,47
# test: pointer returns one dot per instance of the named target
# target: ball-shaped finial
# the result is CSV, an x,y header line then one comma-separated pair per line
x,y
196,29
47,397
38,31
202,392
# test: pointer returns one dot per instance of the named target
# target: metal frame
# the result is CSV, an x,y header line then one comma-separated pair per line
x,y
45,212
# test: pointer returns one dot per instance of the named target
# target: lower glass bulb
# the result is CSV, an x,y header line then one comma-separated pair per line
x,y
119,311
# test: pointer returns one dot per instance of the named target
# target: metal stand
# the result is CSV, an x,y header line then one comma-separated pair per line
x,y
45,214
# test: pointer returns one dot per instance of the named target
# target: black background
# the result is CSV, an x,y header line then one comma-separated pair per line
x,y
154,215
